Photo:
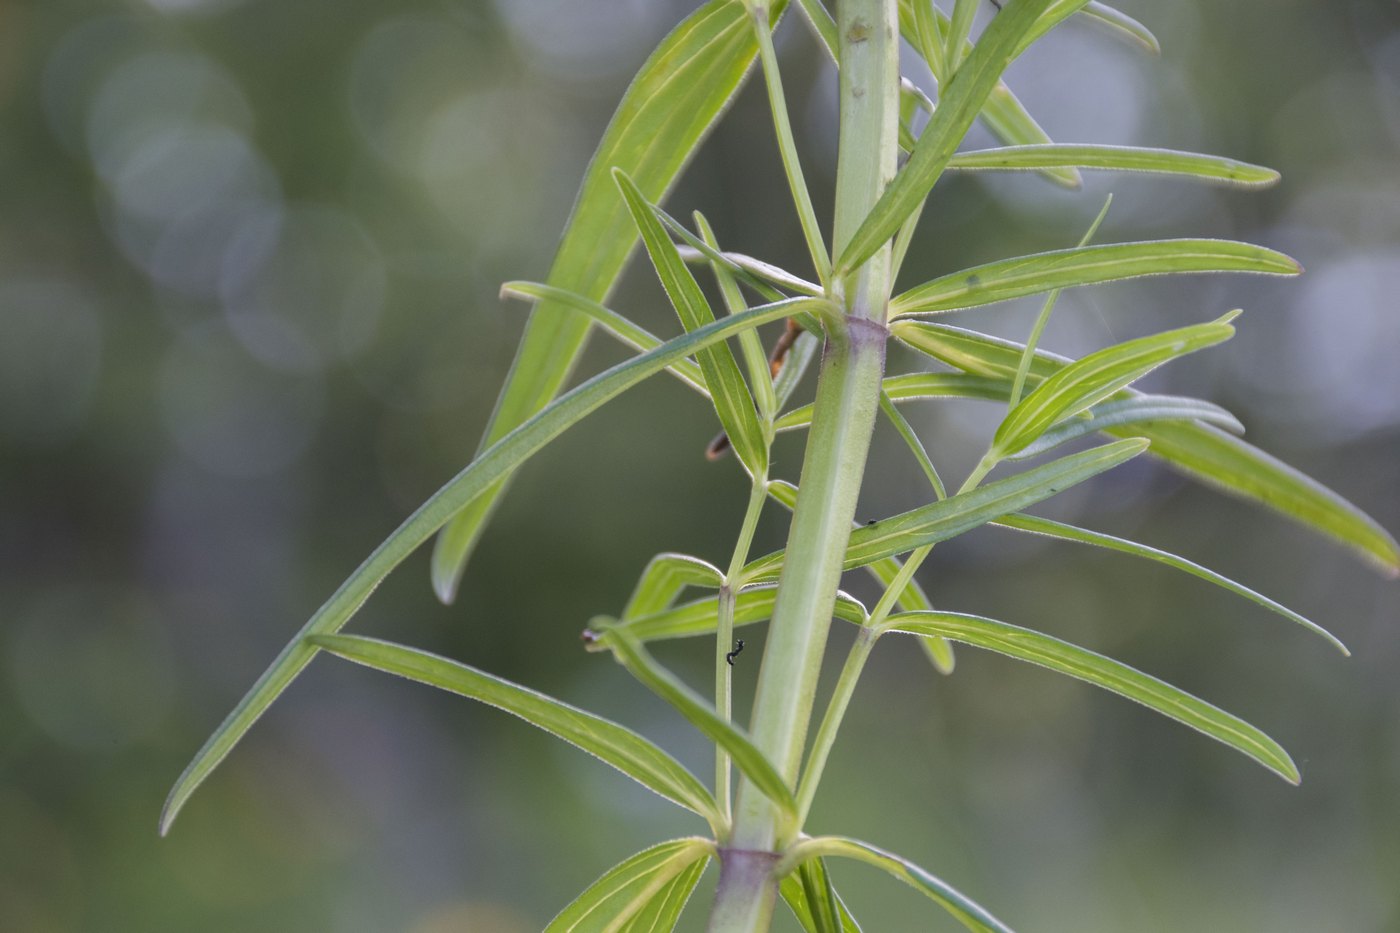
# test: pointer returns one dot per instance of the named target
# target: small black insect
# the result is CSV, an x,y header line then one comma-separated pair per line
x,y
871,522
738,646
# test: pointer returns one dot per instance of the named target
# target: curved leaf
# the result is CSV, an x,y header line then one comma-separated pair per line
x,y
1116,159
699,617
969,913
1087,265
813,900
1124,412
1088,381
917,386
747,757
628,887
1082,664
676,97
1198,450
948,518
476,480
664,578
1063,532
607,741
661,913
1122,25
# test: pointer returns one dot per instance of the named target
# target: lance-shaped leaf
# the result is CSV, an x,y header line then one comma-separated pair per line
x,y
747,758
1125,412
1122,26
664,578
663,911
1002,114
1087,265
1082,664
1191,165
632,335
1088,381
730,394
700,617
1200,451
755,361
669,108
1058,12
960,100
609,742
628,887
476,480
948,518
810,895
1062,532
968,912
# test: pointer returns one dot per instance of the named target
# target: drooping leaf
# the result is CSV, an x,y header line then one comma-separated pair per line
x,y
732,399
1127,412
1062,532
630,886
960,100
628,752
1088,381
477,479
948,518
1198,450
969,913
676,97
1115,159
1058,12
633,335
747,758
1089,265
1082,664
664,578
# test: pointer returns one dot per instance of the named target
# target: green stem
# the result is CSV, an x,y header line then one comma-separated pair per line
x,y
847,400
725,634
787,147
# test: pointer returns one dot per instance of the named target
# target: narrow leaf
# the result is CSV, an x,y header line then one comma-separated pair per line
x,y
960,100
1198,450
1058,12
917,386
609,742
669,108
969,913
1082,664
755,361
959,28
794,891
1122,26
477,479
1088,265
1088,381
664,578
1063,532
663,911
747,758
699,617
950,517
632,335
731,396
1127,412
1116,159
627,887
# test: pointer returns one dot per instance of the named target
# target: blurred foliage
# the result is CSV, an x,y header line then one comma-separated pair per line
x,y
248,261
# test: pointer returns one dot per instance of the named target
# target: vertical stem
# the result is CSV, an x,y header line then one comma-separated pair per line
x,y
848,392
725,633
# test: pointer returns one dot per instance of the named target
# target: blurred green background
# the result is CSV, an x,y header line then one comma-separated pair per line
x,y
249,254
